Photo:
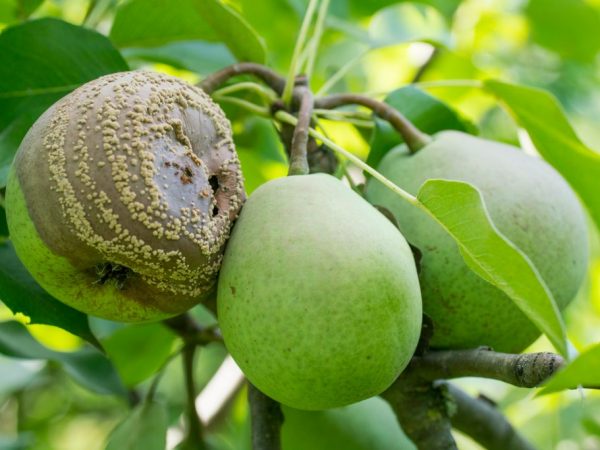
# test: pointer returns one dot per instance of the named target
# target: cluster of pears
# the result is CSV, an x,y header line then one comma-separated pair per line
x,y
120,202
318,298
122,198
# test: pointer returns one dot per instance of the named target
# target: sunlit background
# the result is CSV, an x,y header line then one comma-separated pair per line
x,y
551,44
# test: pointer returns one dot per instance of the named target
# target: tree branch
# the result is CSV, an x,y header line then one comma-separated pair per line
x,y
480,420
424,404
268,76
266,418
414,138
523,370
191,332
193,335
423,411
194,436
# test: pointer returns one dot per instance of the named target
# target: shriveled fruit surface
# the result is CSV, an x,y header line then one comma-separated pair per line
x,y
318,296
529,203
122,195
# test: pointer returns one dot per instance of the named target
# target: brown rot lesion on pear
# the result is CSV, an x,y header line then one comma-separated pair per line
x,y
134,168
109,272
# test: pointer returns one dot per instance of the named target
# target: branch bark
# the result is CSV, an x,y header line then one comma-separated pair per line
x,y
414,138
268,76
486,425
193,335
423,411
423,404
266,418
194,436
523,370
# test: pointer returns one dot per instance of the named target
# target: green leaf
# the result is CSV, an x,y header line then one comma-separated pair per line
x,y
149,23
406,22
196,56
278,23
233,30
43,60
88,367
144,429
21,293
546,123
460,209
428,114
15,10
583,370
260,135
555,23
138,351
356,9
367,425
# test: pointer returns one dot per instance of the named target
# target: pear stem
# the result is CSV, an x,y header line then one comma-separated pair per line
x,y
298,150
414,138
268,76
286,117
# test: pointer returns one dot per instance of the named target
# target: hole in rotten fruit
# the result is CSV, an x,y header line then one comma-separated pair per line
x,y
213,180
111,272
214,183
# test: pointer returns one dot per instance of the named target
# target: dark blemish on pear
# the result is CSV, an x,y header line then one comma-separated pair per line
x,y
107,272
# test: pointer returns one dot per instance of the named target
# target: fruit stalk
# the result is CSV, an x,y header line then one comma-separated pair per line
x,y
285,117
191,332
267,418
298,150
270,77
414,138
480,420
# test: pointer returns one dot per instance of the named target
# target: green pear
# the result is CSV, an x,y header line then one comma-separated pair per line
x,y
318,296
528,202
122,195
368,425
